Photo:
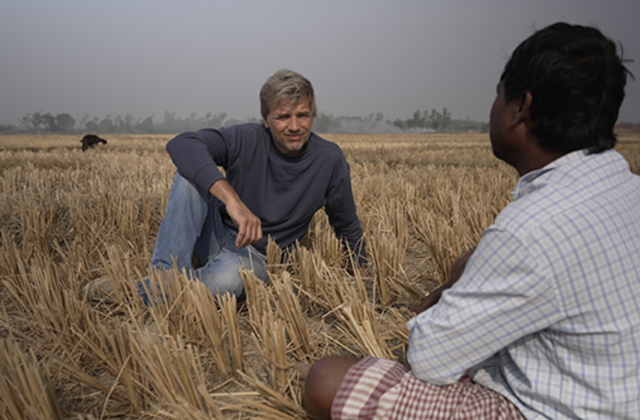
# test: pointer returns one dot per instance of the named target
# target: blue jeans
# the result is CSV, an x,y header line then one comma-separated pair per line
x,y
192,224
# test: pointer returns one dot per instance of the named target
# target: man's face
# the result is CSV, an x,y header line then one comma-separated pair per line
x,y
290,125
498,126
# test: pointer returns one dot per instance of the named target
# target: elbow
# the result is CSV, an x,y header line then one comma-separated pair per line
x,y
430,371
174,143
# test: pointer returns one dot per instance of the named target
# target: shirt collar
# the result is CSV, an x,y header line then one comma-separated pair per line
x,y
534,180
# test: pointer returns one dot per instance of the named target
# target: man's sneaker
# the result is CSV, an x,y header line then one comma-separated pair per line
x,y
101,289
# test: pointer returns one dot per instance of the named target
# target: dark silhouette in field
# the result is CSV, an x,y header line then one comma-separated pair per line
x,y
91,140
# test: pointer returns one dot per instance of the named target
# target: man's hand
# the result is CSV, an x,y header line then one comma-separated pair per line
x,y
456,272
249,225
432,298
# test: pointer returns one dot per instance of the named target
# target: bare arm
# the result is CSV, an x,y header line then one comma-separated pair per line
x,y
249,225
456,272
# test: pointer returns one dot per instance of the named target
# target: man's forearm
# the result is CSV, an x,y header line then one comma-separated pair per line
x,y
456,272
223,191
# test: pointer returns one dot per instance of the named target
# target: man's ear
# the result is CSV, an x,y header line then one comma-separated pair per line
x,y
265,122
522,112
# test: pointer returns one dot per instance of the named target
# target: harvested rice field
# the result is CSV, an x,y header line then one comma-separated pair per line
x,y
68,217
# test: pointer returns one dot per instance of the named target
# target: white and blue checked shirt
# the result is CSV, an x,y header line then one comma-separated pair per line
x,y
547,312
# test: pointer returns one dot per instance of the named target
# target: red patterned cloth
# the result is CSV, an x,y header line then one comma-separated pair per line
x,y
384,389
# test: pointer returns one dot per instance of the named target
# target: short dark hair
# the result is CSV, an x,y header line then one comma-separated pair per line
x,y
576,79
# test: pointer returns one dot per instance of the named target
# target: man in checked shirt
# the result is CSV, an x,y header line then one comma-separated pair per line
x,y
542,320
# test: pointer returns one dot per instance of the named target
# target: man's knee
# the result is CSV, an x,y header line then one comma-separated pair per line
x,y
323,382
256,264
225,282
221,274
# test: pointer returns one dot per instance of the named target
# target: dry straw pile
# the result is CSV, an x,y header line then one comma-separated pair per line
x,y
68,217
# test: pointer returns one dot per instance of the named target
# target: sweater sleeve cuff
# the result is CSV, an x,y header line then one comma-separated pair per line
x,y
207,176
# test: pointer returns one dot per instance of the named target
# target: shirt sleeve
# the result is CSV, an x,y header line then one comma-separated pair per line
x,y
341,210
500,298
197,155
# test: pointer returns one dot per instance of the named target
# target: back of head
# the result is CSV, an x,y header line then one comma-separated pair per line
x,y
576,79
286,85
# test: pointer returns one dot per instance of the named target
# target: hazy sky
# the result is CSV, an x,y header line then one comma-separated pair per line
x,y
145,57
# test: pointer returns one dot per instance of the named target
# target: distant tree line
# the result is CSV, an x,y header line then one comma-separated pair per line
x,y
47,123
422,121
373,123
433,120
628,126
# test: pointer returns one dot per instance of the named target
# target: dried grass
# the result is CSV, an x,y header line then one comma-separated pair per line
x,y
25,389
68,217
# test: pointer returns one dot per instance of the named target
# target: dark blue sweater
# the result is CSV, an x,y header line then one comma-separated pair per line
x,y
284,192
